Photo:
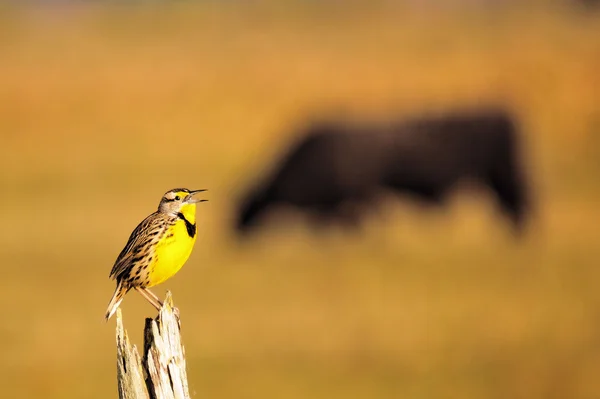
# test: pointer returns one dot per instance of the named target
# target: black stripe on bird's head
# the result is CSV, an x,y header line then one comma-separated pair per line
x,y
173,200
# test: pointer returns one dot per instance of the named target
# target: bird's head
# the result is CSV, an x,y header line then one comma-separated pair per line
x,y
180,200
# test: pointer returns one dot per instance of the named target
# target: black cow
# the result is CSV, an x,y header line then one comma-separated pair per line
x,y
337,166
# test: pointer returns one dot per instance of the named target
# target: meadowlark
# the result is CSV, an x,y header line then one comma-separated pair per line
x,y
158,247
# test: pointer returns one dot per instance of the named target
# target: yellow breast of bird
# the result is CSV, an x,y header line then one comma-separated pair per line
x,y
171,253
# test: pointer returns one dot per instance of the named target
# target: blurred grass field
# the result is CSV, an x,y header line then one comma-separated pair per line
x,y
104,108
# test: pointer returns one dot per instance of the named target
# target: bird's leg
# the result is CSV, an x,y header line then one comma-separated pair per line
x,y
175,310
153,299
150,297
153,295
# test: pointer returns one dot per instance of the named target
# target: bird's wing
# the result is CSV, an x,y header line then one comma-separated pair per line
x,y
144,233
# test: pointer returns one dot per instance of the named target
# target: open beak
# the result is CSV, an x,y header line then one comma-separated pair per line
x,y
190,198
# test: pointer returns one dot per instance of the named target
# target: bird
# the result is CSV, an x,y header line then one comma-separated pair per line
x,y
157,249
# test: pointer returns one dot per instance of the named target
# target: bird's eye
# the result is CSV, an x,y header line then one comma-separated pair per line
x,y
177,198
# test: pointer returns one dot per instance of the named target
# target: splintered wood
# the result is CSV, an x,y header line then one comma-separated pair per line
x,y
161,372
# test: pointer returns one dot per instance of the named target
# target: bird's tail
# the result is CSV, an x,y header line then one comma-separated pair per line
x,y
116,299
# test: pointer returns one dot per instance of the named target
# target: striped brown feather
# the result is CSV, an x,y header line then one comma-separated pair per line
x,y
140,245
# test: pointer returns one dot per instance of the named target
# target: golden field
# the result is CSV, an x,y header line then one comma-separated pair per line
x,y
104,108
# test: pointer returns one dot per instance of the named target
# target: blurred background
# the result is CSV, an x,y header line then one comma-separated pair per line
x,y
105,106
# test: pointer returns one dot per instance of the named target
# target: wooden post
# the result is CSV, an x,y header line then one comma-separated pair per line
x,y
161,372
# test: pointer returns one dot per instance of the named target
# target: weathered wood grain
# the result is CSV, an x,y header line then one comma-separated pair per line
x,y
161,372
